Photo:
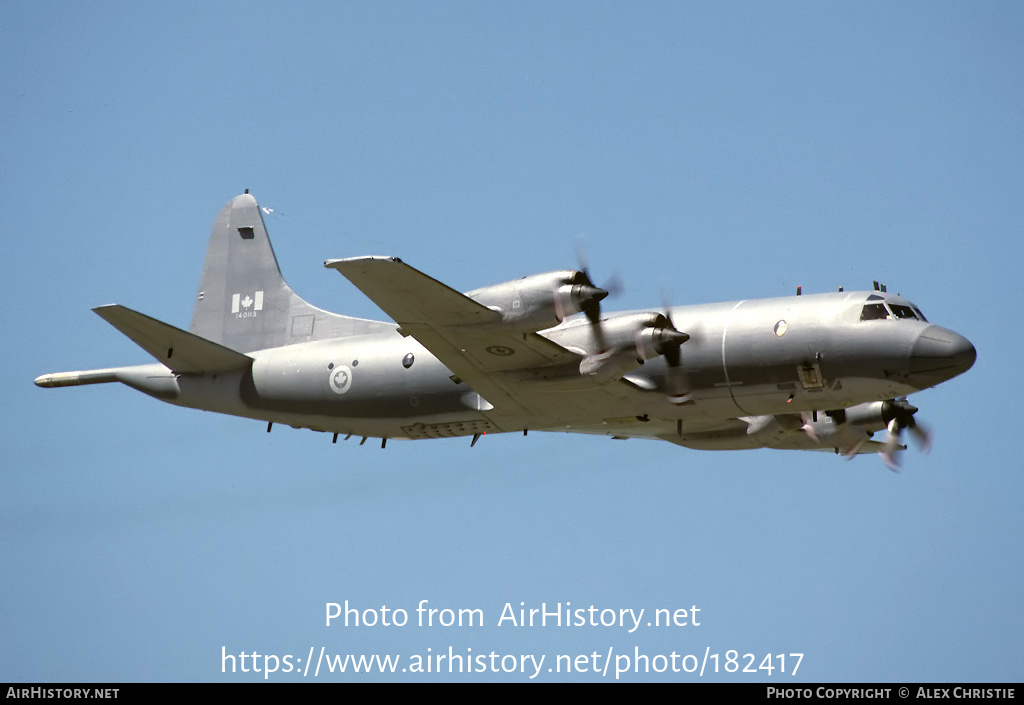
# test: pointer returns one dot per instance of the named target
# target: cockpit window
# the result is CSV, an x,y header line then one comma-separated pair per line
x,y
903,311
873,312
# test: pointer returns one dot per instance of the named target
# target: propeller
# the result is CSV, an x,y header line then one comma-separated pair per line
x,y
678,382
826,432
592,309
663,335
899,415
808,419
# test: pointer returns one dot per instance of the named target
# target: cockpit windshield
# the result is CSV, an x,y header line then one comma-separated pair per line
x,y
879,311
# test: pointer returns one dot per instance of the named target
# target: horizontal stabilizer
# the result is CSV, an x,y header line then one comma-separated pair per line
x,y
178,350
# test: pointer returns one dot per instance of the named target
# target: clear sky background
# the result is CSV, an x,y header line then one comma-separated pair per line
x,y
717,151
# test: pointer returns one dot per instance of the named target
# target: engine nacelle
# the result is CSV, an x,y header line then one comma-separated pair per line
x,y
539,301
647,335
848,428
875,415
871,415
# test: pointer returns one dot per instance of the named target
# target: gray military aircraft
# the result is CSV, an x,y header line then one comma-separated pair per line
x,y
814,372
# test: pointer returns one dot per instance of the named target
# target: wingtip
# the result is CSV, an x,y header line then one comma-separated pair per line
x,y
339,263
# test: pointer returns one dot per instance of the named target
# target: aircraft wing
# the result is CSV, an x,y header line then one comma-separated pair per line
x,y
468,339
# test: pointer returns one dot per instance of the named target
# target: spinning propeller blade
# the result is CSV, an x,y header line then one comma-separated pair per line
x,y
900,415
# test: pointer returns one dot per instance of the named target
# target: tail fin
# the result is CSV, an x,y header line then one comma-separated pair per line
x,y
244,303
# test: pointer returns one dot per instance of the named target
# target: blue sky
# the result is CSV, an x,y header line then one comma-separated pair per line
x,y
713,151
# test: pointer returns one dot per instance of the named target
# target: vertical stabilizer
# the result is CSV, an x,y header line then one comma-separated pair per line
x,y
244,303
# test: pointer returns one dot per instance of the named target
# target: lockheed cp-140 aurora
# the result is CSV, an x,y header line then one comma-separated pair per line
x,y
811,372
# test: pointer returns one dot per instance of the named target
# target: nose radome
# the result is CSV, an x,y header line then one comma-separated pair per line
x,y
964,353
939,354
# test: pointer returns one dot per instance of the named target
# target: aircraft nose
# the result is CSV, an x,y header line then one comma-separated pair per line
x,y
939,354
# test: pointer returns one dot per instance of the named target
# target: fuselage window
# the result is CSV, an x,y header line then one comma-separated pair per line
x,y
874,312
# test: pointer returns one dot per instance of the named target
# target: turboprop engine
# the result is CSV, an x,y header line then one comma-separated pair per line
x,y
633,338
541,301
848,429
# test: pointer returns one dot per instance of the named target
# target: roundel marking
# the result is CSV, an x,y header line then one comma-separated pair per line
x,y
500,350
340,379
